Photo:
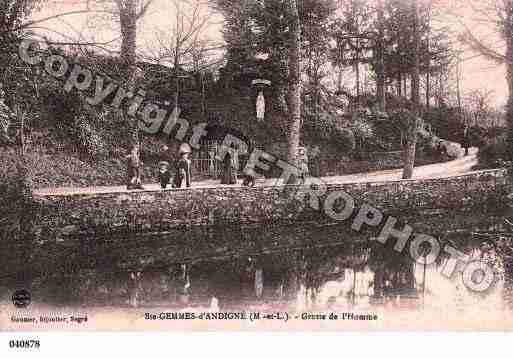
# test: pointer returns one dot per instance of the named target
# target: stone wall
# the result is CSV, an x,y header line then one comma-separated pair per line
x,y
82,241
61,217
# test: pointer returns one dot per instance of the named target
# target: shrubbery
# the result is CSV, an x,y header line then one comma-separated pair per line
x,y
75,123
87,138
326,128
15,184
493,154
15,187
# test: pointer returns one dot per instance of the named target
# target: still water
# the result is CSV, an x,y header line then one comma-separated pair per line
x,y
307,267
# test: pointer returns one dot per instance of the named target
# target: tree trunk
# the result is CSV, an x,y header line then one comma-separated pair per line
x,y
176,62
380,91
405,84
203,106
358,85
19,136
428,90
340,67
399,85
508,32
428,62
177,86
294,94
458,84
128,22
22,132
339,79
440,89
409,158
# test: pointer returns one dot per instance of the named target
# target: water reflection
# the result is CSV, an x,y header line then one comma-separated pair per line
x,y
306,268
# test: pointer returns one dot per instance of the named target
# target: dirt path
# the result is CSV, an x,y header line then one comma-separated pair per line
x,y
437,170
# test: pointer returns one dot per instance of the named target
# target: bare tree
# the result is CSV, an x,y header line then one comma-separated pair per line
x,y
479,107
498,14
183,45
129,12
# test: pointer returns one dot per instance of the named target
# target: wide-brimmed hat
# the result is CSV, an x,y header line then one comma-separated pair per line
x,y
185,148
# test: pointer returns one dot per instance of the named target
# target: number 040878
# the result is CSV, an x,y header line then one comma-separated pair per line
x,y
24,344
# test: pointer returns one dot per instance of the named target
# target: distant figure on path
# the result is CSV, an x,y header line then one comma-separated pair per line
x,y
466,140
183,167
442,151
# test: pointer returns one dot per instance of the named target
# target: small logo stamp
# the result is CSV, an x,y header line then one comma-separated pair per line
x,y
21,298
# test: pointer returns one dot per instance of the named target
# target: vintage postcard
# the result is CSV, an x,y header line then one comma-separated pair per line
x,y
251,165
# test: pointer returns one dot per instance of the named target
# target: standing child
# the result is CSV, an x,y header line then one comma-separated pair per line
x,y
164,174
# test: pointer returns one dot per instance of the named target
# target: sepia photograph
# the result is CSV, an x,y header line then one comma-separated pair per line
x,y
255,166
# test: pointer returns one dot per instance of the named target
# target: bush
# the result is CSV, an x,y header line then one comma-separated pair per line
x,y
494,154
16,195
87,138
15,184
326,128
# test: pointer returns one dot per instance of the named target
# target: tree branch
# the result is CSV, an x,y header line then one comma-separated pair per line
x,y
34,22
476,44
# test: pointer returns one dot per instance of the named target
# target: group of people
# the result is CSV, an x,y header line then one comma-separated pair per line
x,y
231,164
182,171
181,174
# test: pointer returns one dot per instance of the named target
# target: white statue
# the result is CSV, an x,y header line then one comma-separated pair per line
x,y
260,102
260,106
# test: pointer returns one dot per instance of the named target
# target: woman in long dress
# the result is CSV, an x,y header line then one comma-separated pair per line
x,y
229,172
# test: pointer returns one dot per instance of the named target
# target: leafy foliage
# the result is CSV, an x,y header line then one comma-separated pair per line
x,y
16,189
495,153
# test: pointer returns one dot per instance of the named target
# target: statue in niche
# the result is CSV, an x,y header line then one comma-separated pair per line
x,y
260,101
260,106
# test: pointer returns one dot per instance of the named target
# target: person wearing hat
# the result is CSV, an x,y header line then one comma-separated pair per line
x,y
164,174
183,167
